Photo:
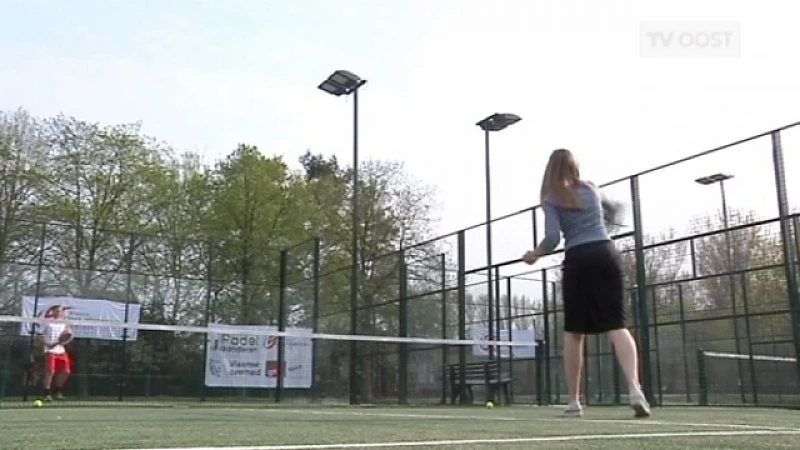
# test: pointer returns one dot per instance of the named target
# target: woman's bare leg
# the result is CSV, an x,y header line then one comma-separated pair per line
x,y
573,364
625,349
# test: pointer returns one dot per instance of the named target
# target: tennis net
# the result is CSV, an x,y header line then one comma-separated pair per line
x,y
765,380
141,362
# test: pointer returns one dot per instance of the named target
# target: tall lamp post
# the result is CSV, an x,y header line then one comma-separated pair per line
x,y
495,122
721,178
341,83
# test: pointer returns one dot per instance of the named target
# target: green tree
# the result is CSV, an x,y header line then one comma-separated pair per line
x,y
23,167
174,256
96,197
258,208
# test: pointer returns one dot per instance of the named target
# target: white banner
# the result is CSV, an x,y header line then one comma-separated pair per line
x,y
520,351
241,359
86,309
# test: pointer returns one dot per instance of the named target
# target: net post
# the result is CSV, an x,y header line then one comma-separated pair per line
x,y
462,318
29,366
315,313
641,287
207,318
403,328
284,268
129,274
789,256
702,377
443,287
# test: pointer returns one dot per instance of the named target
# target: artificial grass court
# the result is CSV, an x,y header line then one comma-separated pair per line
x,y
445,427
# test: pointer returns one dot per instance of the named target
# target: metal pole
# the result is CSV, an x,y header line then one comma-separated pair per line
x,y
462,318
489,287
497,315
30,366
789,258
510,325
749,331
283,274
732,282
315,313
354,269
682,313
124,369
641,291
209,280
443,288
545,340
403,311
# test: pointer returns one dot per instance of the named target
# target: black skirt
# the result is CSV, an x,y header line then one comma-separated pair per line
x,y
593,285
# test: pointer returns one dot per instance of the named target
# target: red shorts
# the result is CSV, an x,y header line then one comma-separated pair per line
x,y
55,363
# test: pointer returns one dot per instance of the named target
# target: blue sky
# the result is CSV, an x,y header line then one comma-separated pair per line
x,y
207,75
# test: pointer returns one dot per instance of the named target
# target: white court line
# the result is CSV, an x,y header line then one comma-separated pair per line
x,y
442,443
534,419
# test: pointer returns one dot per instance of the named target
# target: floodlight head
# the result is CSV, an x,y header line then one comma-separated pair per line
x,y
498,121
711,179
341,82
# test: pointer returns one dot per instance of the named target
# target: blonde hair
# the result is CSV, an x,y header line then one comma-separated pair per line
x,y
560,177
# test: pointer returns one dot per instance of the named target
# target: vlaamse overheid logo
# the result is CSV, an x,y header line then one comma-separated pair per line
x,y
690,39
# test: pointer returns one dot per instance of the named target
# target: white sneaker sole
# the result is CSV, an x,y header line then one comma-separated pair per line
x,y
640,410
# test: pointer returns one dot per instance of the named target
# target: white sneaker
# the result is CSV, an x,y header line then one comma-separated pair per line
x,y
639,403
573,409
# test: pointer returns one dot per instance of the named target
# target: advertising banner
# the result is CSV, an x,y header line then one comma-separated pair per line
x,y
240,358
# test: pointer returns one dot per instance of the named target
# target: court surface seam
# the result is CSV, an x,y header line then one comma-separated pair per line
x,y
642,422
445,443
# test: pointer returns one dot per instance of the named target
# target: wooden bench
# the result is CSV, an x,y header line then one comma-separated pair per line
x,y
484,373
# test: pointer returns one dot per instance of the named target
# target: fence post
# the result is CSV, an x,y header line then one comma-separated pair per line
x,y
789,258
748,330
403,306
702,377
284,261
443,287
315,315
462,318
657,343
641,286
510,325
129,273
209,278
545,347
497,328
30,366
682,316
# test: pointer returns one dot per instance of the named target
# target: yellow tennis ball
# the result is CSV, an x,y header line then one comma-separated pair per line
x,y
38,403
490,404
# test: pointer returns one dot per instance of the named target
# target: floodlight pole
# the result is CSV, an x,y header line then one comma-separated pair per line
x,y
340,83
495,122
355,377
730,260
732,280
489,284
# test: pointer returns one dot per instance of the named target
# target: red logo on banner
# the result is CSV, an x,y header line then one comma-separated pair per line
x,y
272,369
